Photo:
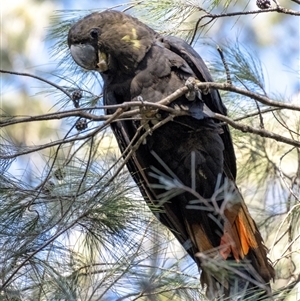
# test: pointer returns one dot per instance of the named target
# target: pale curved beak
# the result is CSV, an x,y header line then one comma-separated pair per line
x,y
85,56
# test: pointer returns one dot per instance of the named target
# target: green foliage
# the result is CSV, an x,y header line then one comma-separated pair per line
x,y
70,229
41,219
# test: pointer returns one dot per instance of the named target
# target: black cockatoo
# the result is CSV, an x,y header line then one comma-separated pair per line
x,y
206,212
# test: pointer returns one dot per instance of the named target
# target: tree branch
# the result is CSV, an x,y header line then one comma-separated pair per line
x,y
39,78
261,132
212,17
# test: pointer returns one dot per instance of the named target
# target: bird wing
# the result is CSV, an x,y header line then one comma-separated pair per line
x,y
212,99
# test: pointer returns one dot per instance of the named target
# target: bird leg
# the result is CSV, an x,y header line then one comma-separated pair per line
x,y
148,117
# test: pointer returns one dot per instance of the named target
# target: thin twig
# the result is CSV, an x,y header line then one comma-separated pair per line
x,y
256,104
55,236
249,129
39,78
263,99
228,77
263,111
212,17
138,143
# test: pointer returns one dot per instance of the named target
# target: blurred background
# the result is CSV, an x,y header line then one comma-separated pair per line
x,y
271,38
268,171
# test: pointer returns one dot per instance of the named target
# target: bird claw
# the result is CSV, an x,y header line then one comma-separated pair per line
x,y
191,84
205,90
140,98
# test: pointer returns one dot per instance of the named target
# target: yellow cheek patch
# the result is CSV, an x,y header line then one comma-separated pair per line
x,y
102,55
102,63
132,39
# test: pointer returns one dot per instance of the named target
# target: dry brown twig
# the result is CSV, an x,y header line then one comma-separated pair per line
x,y
123,111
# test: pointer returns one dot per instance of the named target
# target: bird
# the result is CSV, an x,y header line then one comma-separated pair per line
x,y
181,158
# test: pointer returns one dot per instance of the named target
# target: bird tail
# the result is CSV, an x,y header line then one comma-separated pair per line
x,y
232,281
239,268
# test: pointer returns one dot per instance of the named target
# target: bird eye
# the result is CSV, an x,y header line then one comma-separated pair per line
x,y
94,33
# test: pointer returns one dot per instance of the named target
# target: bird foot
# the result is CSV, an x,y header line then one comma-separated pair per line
x,y
191,84
140,98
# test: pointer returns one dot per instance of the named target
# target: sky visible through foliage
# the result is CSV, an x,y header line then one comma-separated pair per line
x,y
271,39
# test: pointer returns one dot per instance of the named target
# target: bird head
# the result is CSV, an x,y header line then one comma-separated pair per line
x,y
109,41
